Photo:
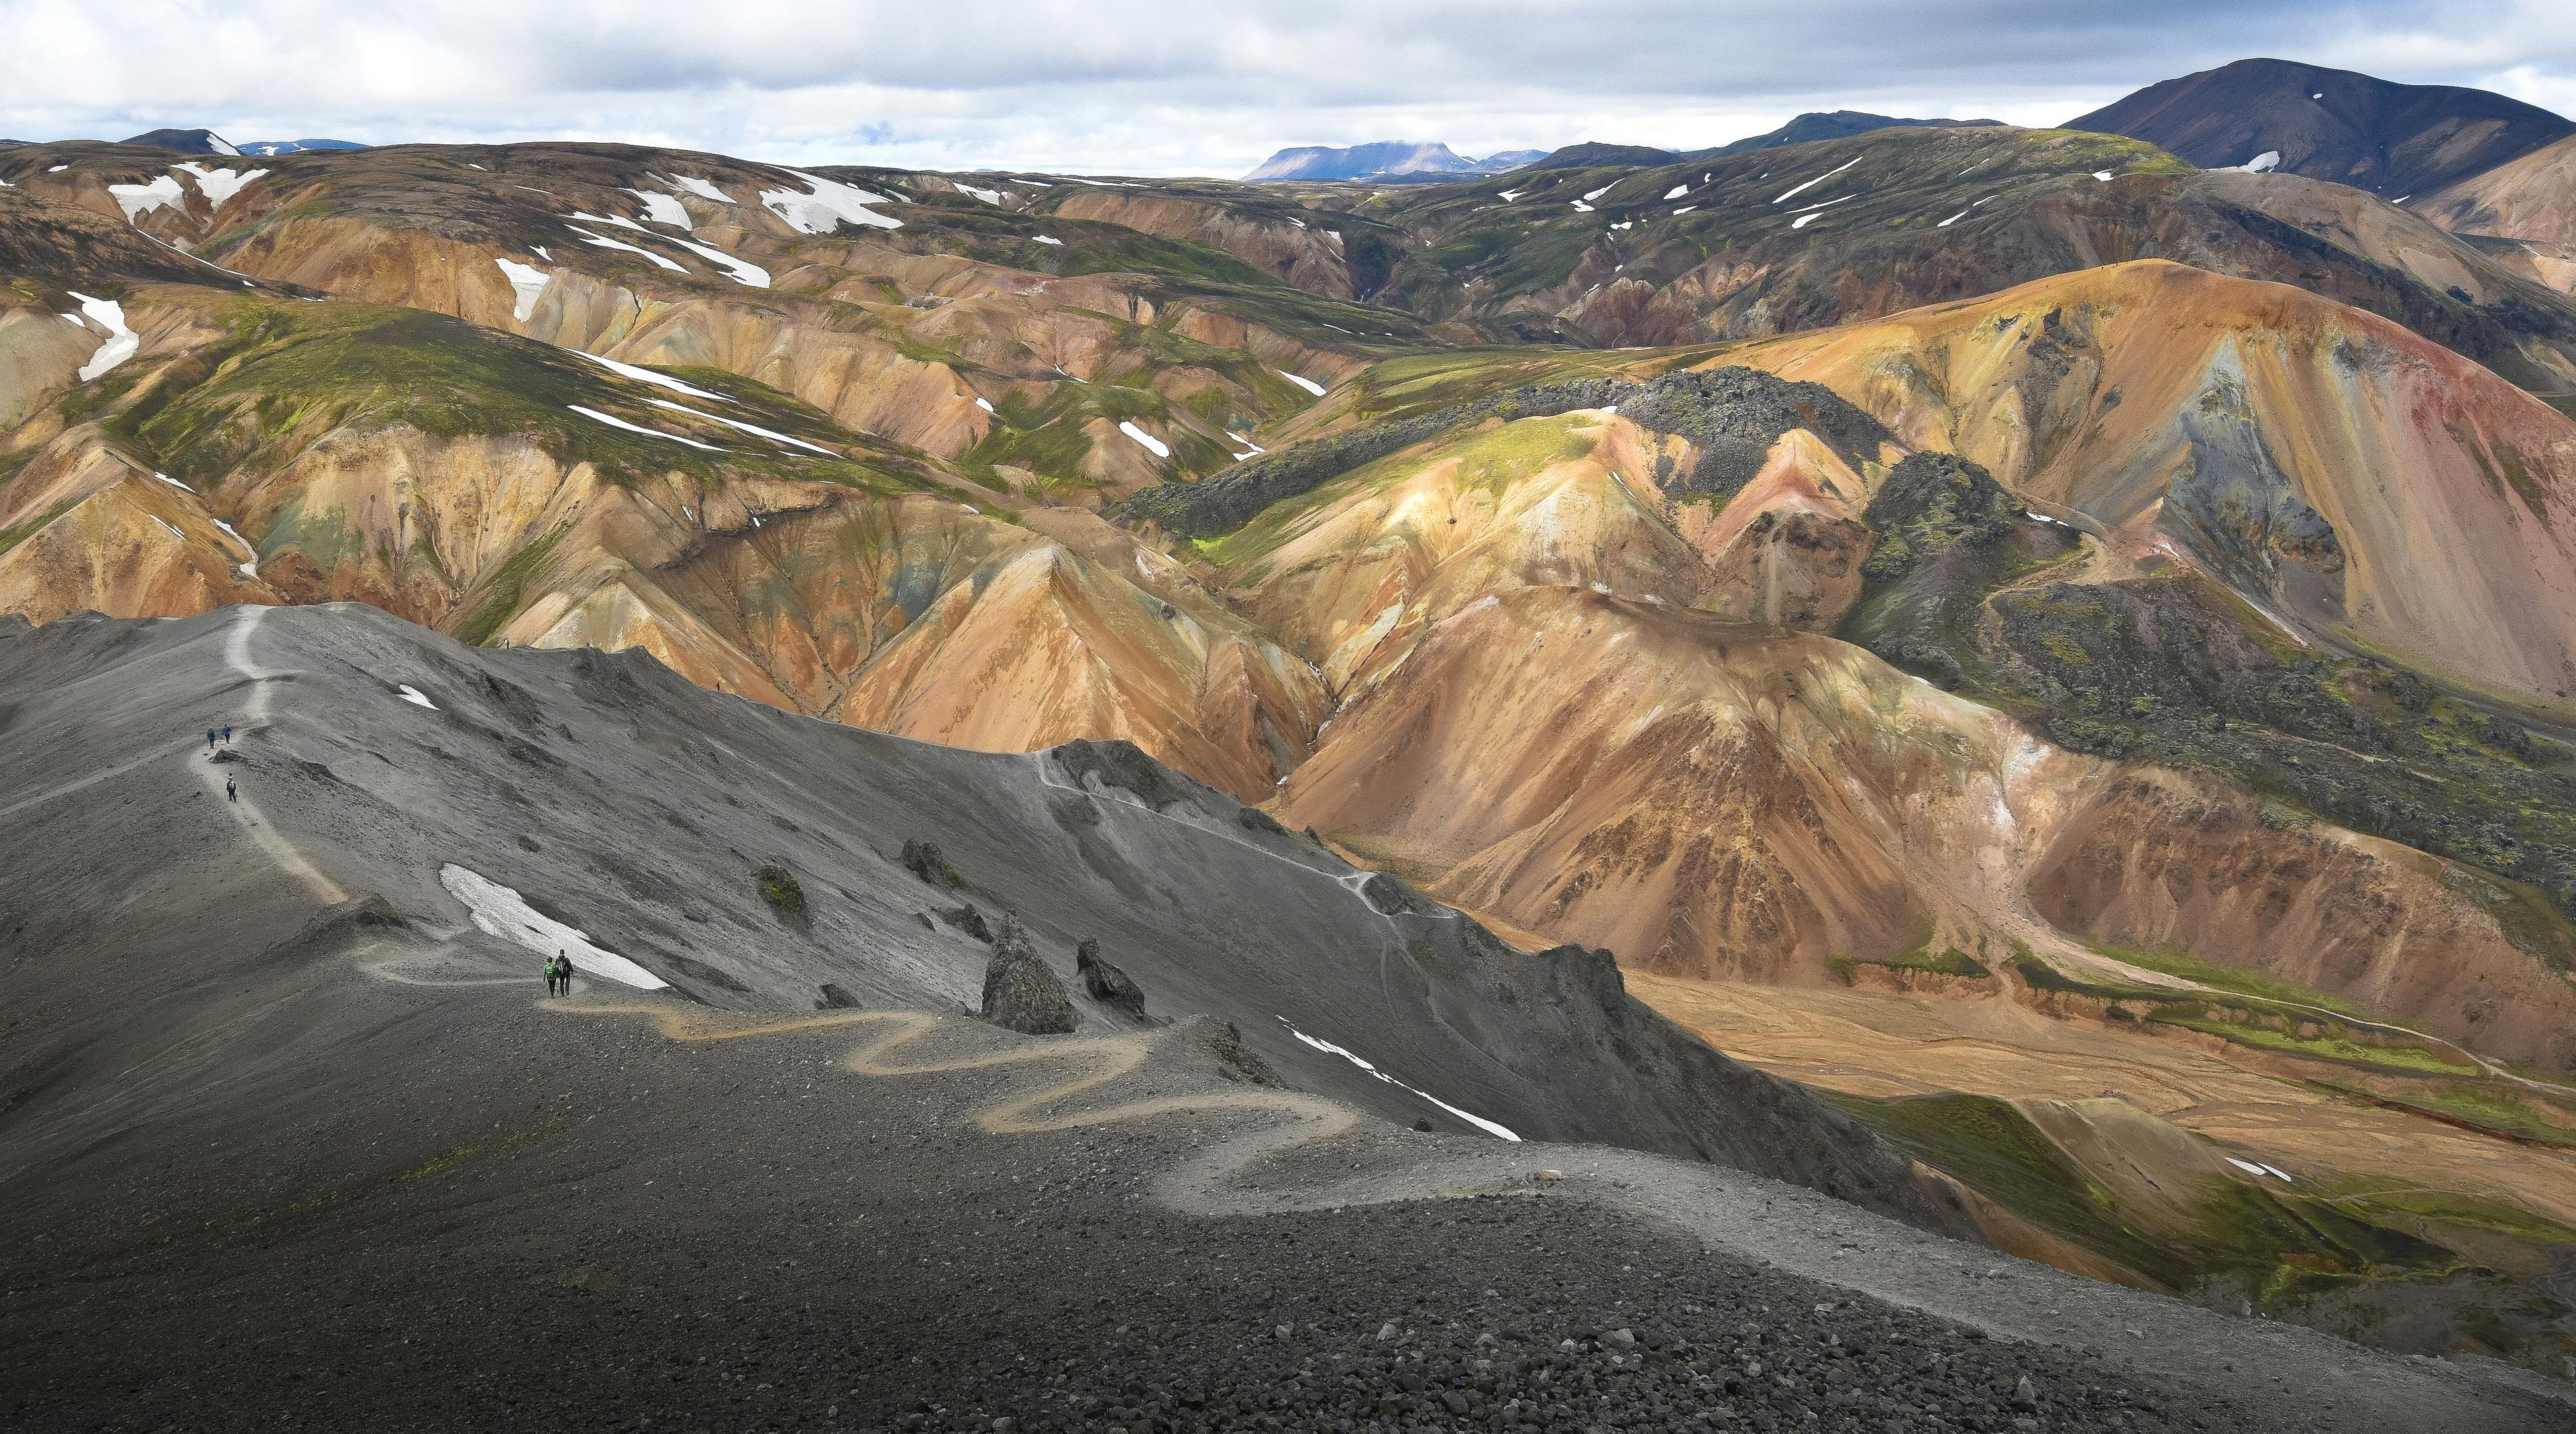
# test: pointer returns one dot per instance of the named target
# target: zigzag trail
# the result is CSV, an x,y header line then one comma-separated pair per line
x,y
1206,1184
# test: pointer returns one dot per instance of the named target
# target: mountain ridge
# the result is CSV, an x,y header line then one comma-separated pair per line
x,y
2352,128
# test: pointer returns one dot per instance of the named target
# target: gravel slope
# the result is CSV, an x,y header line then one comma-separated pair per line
x,y
268,1161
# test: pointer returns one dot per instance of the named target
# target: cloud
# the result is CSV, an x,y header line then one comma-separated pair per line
x,y
1160,86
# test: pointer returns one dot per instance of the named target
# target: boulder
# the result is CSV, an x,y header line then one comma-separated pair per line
x,y
1021,992
1106,983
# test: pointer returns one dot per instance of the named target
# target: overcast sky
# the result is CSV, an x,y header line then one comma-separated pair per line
x,y
1178,86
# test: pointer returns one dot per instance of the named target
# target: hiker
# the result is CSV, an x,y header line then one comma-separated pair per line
x,y
554,972
231,792
564,959
228,734
210,739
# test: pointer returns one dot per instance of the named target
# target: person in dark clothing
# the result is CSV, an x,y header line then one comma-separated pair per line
x,y
210,739
228,734
564,959
231,793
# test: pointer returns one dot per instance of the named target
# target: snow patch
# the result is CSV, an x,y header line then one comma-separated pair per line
x,y
1595,194
1158,447
751,428
605,243
989,196
741,271
2250,1168
1677,191
138,200
1810,216
1953,219
662,209
1493,1128
173,532
1508,195
690,184
414,696
611,220
1050,239
1685,209
986,404
121,341
613,421
2265,162
219,185
646,375
1582,208
499,911
1307,384
173,482
2102,174
527,284
1795,191
828,203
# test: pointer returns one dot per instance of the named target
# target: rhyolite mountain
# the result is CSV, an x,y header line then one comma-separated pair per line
x,y
1946,607
2391,139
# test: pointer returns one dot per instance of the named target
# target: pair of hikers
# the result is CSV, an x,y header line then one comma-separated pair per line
x,y
227,730
559,975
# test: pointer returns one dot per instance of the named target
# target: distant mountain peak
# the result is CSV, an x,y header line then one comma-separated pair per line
x,y
2351,128
1385,158
1835,124
185,141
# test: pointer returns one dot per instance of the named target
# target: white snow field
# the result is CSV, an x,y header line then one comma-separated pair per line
x,y
121,341
499,911
691,184
1156,446
741,271
527,283
1307,384
1795,190
138,200
219,185
646,375
613,421
1493,1128
825,205
606,243
751,428
662,208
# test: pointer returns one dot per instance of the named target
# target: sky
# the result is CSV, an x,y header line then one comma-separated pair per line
x,y
1159,87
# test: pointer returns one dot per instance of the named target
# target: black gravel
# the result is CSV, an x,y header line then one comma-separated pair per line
x,y
741,1236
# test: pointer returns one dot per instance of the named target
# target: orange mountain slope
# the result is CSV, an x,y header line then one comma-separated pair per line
x,y
2348,477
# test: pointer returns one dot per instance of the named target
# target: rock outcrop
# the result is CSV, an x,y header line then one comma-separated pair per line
x,y
1021,991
